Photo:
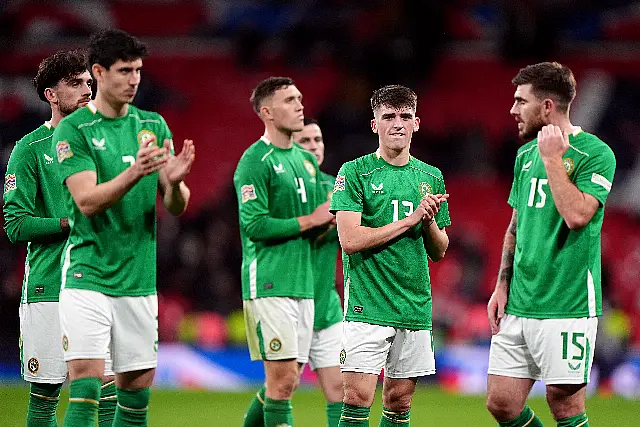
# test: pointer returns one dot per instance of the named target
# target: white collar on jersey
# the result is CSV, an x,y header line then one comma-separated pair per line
x,y
47,124
91,106
378,155
576,130
265,139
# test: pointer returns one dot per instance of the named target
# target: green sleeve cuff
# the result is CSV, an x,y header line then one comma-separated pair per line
x,y
33,228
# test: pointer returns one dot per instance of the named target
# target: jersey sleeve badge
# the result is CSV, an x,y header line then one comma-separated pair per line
x,y
10,182
248,192
339,185
63,150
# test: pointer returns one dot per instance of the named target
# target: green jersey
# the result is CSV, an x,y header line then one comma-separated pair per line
x,y
388,285
113,252
556,271
275,186
33,207
324,251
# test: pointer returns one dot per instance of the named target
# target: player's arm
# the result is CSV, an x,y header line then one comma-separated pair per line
x,y
175,193
93,198
21,186
575,206
498,300
436,239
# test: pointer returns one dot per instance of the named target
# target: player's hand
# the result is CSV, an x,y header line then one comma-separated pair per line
x,y
552,142
150,158
419,214
321,216
434,201
178,167
495,308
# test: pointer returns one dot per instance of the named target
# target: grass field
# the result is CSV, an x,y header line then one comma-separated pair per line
x,y
431,408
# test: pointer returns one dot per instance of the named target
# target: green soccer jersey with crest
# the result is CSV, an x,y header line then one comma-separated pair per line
x,y
274,186
556,271
33,207
388,285
113,252
324,251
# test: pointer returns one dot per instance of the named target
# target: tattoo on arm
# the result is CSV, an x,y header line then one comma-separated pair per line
x,y
508,252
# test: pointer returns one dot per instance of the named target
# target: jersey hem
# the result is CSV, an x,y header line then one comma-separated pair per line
x,y
322,326
36,300
411,327
578,315
301,296
111,293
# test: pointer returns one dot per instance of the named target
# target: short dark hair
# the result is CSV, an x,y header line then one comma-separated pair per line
x,y
394,96
61,66
108,46
549,79
310,121
266,89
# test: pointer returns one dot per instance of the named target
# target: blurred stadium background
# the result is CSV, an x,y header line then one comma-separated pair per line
x,y
459,56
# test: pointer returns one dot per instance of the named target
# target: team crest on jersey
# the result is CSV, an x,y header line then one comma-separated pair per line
x,y
275,344
343,356
65,343
309,167
569,166
33,365
63,151
10,182
425,189
248,192
339,185
144,136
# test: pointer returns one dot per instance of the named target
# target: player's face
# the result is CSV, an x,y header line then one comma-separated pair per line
x,y
310,138
528,112
285,109
120,82
395,126
73,93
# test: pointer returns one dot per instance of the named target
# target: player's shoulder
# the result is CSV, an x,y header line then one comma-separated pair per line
x,y
589,144
255,154
145,116
37,137
362,165
527,148
426,168
326,177
78,119
304,152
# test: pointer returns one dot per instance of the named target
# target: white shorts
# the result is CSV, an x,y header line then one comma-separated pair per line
x,y
92,322
325,347
559,351
279,328
40,349
403,353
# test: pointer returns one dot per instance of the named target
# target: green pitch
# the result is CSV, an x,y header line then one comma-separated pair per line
x,y
431,408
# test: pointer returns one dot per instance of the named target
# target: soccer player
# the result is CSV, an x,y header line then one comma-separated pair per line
x,y
547,296
35,214
111,156
327,322
391,213
279,201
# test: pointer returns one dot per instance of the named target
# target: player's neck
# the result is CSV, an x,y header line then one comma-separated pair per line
x,y
56,116
393,157
564,123
278,138
110,109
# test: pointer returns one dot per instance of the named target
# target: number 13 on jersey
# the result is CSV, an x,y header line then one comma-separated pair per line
x,y
396,208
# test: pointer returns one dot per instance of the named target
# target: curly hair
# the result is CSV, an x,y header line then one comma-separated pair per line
x,y
59,67
394,96
108,46
549,80
266,89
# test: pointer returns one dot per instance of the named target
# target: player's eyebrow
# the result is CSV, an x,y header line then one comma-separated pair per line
x,y
388,115
406,115
303,140
519,99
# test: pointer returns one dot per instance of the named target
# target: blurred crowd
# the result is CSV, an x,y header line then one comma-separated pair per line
x,y
454,54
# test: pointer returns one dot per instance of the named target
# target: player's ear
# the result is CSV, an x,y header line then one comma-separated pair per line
x,y
374,126
265,112
51,95
97,71
548,106
416,124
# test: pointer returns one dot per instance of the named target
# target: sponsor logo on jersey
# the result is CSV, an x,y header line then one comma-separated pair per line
x,y
39,290
377,189
358,309
65,343
98,144
343,356
77,275
309,167
339,185
48,159
275,344
601,180
527,165
248,192
569,166
145,136
10,182
574,368
63,151
279,168
33,365
425,189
